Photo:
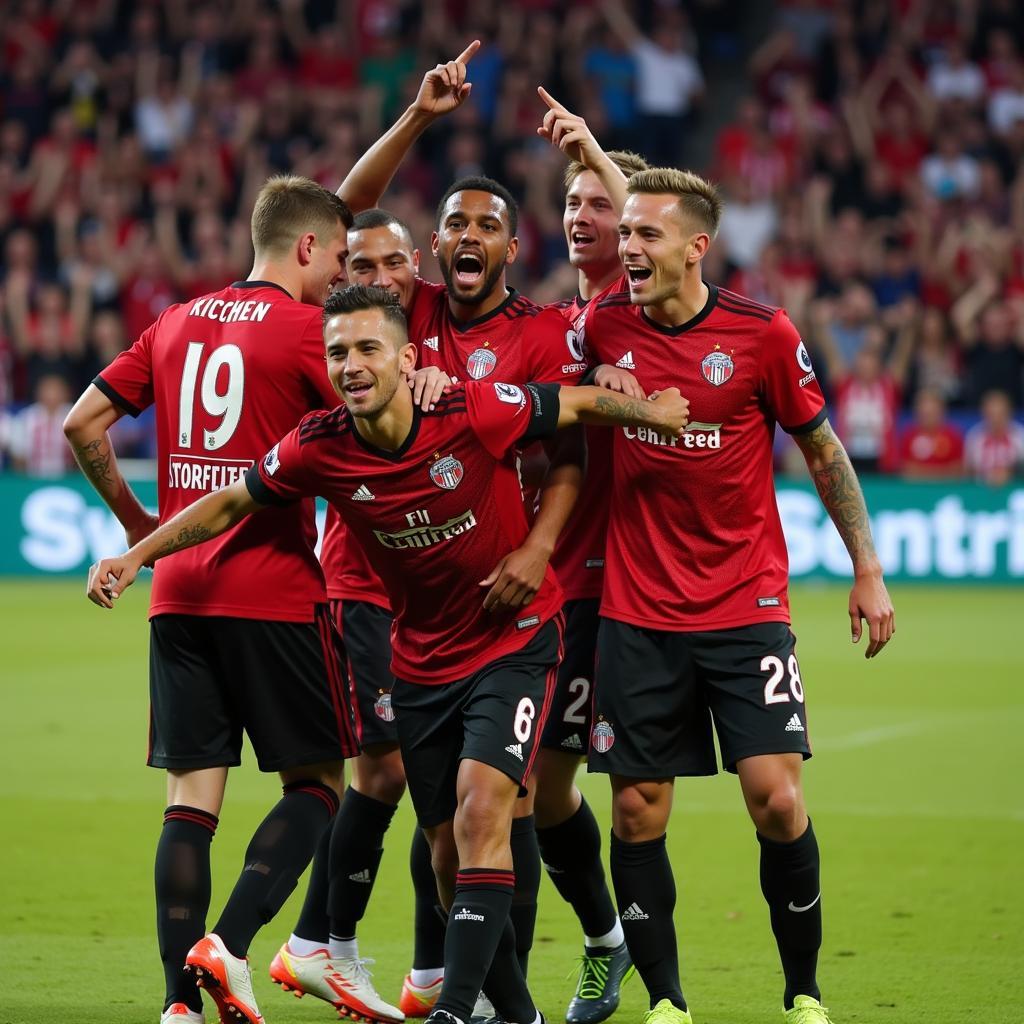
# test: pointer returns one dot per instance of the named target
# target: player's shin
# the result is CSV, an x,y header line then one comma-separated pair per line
x,y
313,928
527,867
790,881
505,984
646,893
430,916
182,878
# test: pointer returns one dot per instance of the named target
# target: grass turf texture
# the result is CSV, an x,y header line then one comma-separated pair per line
x,y
915,793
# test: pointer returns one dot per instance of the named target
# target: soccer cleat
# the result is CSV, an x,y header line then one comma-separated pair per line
x,y
419,1000
483,1010
179,1013
599,985
666,1012
226,978
443,1017
344,982
806,1010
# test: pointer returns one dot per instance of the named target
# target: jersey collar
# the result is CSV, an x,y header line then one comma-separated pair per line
x,y
465,325
399,453
694,321
260,284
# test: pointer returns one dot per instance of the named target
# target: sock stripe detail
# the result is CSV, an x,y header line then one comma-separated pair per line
x,y
482,876
179,812
322,792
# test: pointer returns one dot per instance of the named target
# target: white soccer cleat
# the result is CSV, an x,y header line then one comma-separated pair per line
x,y
344,982
179,1013
226,978
483,1009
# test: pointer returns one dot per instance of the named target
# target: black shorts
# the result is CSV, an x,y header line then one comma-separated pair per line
x,y
657,693
494,716
366,632
283,683
568,725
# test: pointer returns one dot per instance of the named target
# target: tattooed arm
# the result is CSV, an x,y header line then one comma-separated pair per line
x,y
840,493
86,429
204,519
665,411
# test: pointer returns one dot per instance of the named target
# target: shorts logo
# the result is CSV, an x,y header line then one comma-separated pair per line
x,y
515,749
447,473
382,708
572,742
602,737
795,725
467,915
717,368
768,602
272,462
481,363
532,620
510,394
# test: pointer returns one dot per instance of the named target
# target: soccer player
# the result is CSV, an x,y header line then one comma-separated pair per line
x,y
474,684
695,613
240,635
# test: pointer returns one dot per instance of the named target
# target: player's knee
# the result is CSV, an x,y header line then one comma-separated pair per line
x,y
481,826
327,773
444,859
638,813
779,812
381,776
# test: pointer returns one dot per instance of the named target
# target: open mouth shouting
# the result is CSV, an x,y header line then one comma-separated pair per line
x,y
638,274
469,269
581,240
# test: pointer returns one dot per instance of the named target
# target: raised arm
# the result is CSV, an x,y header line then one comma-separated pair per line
x,y
204,519
443,90
840,493
86,429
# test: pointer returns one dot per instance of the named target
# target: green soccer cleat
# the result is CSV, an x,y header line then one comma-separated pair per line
x,y
597,991
807,1010
666,1012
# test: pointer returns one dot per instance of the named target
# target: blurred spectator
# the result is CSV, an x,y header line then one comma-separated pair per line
x,y
35,436
931,447
866,403
994,449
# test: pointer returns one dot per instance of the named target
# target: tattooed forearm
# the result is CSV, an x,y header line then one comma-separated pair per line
x,y
94,458
840,491
185,538
622,410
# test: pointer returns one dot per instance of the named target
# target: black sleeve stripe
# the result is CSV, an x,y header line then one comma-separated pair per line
x,y
447,410
119,400
738,311
619,299
260,491
741,300
812,424
544,414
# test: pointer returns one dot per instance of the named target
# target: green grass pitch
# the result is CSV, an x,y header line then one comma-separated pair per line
x,y
916,793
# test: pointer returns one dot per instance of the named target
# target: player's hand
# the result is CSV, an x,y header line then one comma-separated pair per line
x,y
569,132
672,409
613,378
445,87
109,578
869,600
515,580
428,384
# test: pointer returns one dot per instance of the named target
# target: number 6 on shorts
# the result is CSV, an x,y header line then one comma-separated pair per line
x,y
523,722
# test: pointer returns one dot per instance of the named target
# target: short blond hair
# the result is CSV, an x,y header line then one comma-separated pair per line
x,y
627,162
289,206
699,199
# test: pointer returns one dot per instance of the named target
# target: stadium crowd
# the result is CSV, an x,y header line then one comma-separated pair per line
x,y
873,174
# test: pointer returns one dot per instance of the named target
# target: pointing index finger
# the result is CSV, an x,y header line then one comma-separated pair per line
x,y
467,54
550,100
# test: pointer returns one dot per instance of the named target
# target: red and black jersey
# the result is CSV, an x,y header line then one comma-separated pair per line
x,y
434,517
517,342
694,536
229,373
578,559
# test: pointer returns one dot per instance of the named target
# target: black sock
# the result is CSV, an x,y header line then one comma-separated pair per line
x,y
526,865
646,894
357,845
571,853
182,877
278,853
430,917
505,984
478,917
314,923
790,881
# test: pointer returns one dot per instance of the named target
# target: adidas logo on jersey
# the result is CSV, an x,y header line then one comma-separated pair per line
x,y
363,493
361,876
634,913
515,749
572,742
794,724
430,343
626,362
